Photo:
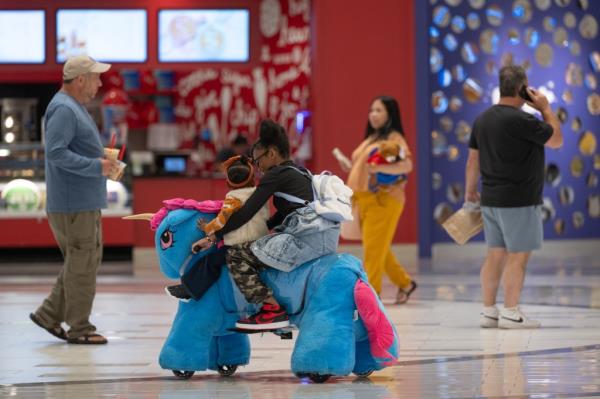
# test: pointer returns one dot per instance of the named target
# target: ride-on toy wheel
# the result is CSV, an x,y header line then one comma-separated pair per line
x,y
314,377
318,378
183,375
365,374
226,370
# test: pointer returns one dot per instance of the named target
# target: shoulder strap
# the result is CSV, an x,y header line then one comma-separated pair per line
x,y
304,172
292,198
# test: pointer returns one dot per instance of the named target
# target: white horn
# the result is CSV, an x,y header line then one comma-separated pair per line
x,y
140,216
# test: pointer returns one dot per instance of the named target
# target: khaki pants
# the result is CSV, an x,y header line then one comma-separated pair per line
x,y
379,215
79,236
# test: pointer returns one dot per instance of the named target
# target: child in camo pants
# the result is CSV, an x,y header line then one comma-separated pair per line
x,y
239,258
240,178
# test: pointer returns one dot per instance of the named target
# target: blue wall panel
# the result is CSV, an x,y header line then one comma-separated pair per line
x,y
468,41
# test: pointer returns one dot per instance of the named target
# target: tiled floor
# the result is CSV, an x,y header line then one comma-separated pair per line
x,y
443,352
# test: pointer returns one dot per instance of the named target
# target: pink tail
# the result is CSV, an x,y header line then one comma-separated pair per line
x,y
382,336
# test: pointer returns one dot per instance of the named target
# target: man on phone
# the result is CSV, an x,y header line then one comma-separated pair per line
x,y
507,150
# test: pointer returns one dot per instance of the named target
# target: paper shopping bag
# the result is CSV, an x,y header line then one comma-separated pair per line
x,y
463,225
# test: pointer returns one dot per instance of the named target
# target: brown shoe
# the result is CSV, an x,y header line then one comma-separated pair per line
x,y
403,294
88,339
57,331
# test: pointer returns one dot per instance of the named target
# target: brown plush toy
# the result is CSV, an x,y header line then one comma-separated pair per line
x,y
387,152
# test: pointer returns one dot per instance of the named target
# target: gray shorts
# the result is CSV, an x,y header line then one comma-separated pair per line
x,y
516,229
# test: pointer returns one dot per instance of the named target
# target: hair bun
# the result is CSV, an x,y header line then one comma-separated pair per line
x,y
239,173
270,132
245,160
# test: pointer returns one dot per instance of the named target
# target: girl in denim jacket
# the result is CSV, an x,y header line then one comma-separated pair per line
x,y
299,234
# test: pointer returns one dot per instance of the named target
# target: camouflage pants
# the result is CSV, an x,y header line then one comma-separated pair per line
x,y
245,269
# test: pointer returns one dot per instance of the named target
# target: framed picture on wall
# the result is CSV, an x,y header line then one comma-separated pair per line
x,y
22,36
111,35
204,35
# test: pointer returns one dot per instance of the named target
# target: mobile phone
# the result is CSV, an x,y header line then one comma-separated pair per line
x,y
524,94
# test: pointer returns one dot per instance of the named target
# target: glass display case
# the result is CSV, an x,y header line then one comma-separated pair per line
x,y
22,160
23,222
21,156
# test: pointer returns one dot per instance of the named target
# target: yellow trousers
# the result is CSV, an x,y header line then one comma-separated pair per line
x,y
379,215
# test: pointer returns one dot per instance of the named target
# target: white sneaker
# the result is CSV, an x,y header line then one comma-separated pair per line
x,y
489,317
514,318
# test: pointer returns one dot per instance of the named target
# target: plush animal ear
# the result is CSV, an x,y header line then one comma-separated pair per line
x,y
389,148
140,216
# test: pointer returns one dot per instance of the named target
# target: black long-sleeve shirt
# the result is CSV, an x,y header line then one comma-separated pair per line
x,y
280,178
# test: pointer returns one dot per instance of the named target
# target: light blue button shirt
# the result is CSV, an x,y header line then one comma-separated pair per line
x,y
73,149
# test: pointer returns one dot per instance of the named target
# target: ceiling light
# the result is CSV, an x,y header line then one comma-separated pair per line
x,y
9,122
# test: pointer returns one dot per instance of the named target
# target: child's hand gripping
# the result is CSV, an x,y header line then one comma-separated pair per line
x,y
201,224
203,244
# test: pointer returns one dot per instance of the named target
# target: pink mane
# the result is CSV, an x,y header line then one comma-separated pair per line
x,y
209,206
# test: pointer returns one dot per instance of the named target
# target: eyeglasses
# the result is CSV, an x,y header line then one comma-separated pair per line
x,y
255,160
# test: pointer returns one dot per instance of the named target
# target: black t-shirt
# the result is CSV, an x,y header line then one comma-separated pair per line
x,y
283,178
511,156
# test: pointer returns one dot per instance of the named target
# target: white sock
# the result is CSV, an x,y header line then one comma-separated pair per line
x,y
490,309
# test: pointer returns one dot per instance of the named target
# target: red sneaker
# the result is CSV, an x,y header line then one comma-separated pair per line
x,y
269,317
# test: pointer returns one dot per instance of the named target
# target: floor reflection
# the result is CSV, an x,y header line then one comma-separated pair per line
x,y
443,353
565,372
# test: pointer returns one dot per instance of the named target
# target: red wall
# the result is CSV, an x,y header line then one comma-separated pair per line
x,y
35,232
51,71
362,49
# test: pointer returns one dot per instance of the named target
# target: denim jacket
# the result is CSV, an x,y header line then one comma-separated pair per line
x,y
303,236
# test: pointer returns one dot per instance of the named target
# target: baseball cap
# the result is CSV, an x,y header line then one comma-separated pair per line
x,y
81,64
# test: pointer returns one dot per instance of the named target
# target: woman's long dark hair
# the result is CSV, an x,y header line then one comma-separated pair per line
x,y
273,135
394,122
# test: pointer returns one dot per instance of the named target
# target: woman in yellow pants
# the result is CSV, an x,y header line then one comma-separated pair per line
x,y
380,205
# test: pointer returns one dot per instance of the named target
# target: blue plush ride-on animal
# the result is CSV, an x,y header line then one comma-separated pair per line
x,y
342,324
